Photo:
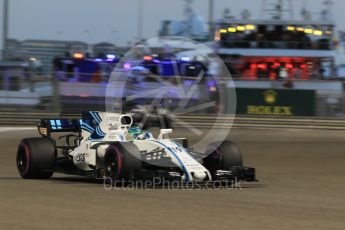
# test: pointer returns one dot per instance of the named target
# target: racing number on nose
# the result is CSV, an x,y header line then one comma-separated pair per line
x,y
80,157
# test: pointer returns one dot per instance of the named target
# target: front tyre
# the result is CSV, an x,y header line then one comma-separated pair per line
x,y
36,158
223,156
121,161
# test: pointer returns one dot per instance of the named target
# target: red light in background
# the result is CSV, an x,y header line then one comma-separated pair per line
x,y
262,66
147,58
253,66
303,66
289,66
276,65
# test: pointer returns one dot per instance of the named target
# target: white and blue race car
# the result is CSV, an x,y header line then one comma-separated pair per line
x,y
104,145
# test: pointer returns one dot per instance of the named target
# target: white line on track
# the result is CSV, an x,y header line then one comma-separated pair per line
x,y
6,129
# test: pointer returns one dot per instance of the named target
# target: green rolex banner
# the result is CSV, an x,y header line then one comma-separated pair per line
x,y
276,102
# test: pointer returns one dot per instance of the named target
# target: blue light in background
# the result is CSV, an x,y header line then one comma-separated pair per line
x,y
111,56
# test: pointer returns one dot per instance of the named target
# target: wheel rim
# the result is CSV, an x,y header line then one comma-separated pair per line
x,y
113,164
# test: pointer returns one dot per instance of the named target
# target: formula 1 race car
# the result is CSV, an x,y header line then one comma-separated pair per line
x,y
104,145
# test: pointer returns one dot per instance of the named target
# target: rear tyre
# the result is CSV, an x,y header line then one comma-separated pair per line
x,y
223,156
121,161
36,158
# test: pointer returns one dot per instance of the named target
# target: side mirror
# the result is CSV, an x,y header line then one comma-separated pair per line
x,y
164,132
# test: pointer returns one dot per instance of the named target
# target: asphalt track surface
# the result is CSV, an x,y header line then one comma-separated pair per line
x,y
302,186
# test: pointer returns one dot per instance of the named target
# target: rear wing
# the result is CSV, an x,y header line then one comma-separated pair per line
x,y
48,126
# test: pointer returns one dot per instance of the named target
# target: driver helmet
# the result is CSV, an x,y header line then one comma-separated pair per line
x,y
137,134
134,132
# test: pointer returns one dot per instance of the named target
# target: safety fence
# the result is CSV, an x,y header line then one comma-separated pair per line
x,y
200,121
